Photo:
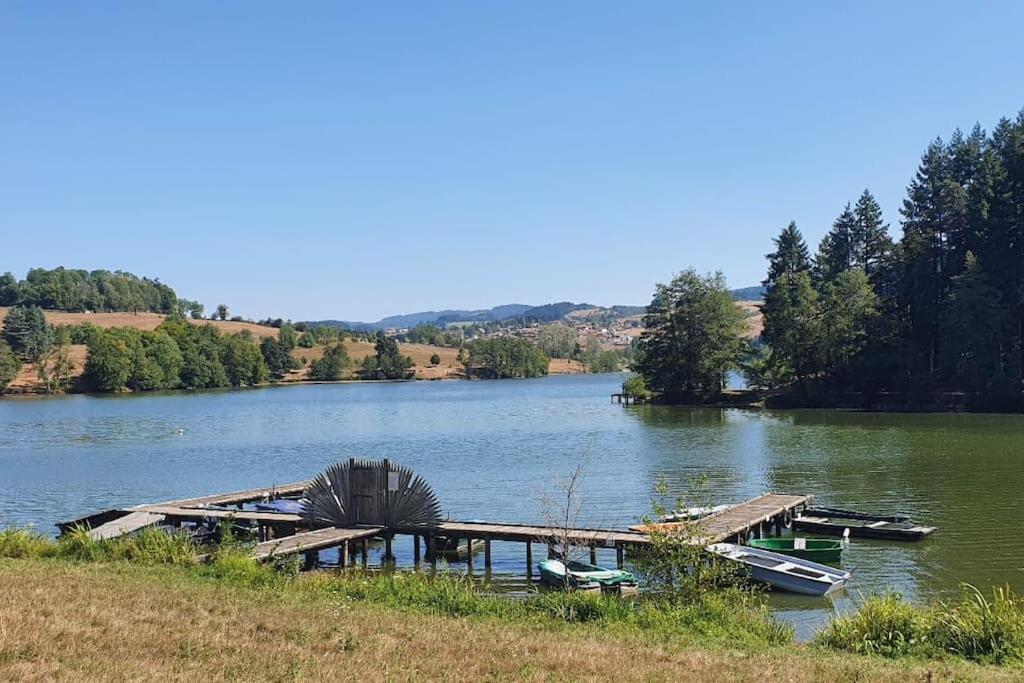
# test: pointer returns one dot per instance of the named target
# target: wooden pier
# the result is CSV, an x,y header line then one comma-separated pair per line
x,y
283,534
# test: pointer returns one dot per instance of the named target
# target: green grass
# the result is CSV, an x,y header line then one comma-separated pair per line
x,y
974,628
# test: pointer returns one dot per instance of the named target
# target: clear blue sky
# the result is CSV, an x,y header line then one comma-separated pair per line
x,y
353,160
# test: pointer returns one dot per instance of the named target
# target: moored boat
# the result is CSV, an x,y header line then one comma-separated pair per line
x,y
819,511
285,505
791,574
553,573
816,549
863,528
695,513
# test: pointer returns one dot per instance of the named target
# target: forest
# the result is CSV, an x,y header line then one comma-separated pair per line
x,y
938,309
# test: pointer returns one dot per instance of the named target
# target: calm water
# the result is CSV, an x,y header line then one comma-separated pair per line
x,y
490,449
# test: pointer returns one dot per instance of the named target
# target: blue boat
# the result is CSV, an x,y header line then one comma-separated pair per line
x,y
783,572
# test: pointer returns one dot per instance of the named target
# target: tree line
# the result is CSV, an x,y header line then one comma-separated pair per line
x,y
939,309
80,290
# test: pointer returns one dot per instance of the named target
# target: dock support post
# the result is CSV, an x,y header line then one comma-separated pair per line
x,y
366,552
529,561
469,554
416,549
487,553
432,550
343,555
593,554
620,555
388,556
309,560
778,524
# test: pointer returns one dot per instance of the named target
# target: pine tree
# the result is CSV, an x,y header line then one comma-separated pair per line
x,y
790,255
835,251
792,324
870,244
972,324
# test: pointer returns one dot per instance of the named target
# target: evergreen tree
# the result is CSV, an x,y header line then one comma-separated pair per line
x,y
792,325
331,366
835,253
790,255
10,365
870,244
972,324
27,333
848,306
388,363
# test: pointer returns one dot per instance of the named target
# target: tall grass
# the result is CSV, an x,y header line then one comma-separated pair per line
x,y
973,627
23,543
148,546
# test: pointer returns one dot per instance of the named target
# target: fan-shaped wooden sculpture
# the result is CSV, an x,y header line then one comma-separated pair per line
x,y
372,492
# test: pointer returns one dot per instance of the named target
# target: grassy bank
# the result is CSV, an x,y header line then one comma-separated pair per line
x,y
139,608
128,621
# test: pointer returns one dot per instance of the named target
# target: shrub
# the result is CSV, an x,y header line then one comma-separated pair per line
x,y
979,629
435,359
22,543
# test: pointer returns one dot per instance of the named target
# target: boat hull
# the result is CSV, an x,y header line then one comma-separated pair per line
x,y
893,531
816,550
782,572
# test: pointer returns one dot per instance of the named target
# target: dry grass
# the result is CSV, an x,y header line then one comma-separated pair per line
x,y
121,622
755,320
448,368
564,366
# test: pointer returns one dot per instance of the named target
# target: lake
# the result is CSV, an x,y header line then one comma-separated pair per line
x,y
491,448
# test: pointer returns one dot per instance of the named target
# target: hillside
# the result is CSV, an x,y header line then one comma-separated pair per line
x,y
448,368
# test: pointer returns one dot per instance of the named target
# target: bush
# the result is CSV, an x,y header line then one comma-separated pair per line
x,y
973,628
435,359
21,543
884,625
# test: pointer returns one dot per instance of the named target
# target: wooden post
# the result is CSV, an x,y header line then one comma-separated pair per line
x,y
432,550
309,560
388,557
416,549
487,552
529,561
343,555
620,555
366,551
593,554
469,554
778,524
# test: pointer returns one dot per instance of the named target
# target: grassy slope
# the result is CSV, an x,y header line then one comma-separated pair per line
x,y
120,621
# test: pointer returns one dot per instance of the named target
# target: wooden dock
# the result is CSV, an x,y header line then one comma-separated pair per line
x,y
284,534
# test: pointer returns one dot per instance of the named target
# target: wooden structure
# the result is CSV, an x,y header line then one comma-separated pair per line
x,y
371,502
627,398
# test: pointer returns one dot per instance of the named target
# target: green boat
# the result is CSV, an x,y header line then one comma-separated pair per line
x,y
815,549
584,576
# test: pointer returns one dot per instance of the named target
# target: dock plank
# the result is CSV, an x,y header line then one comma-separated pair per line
x,y
311,540
131,522
527,532
206,513
247,496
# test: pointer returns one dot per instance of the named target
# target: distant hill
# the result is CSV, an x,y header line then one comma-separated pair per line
x,y
518,312
437,317
748,293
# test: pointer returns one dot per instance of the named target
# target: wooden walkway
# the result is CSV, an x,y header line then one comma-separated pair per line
x,y
113,523
310,541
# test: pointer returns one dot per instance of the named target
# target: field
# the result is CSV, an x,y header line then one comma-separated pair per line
x,y
448,368
61,621
755,320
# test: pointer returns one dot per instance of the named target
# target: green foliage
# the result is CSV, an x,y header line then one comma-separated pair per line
x,y
790,255
635,386
974,628
557,340
763,369
176,354
972,324
387,363
222,311
332,365
277,356
597,359
505,357
21,543
10,365
27,333
693,336
242,360
848,306
792,324
883,625
79,290
433,335
435,359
